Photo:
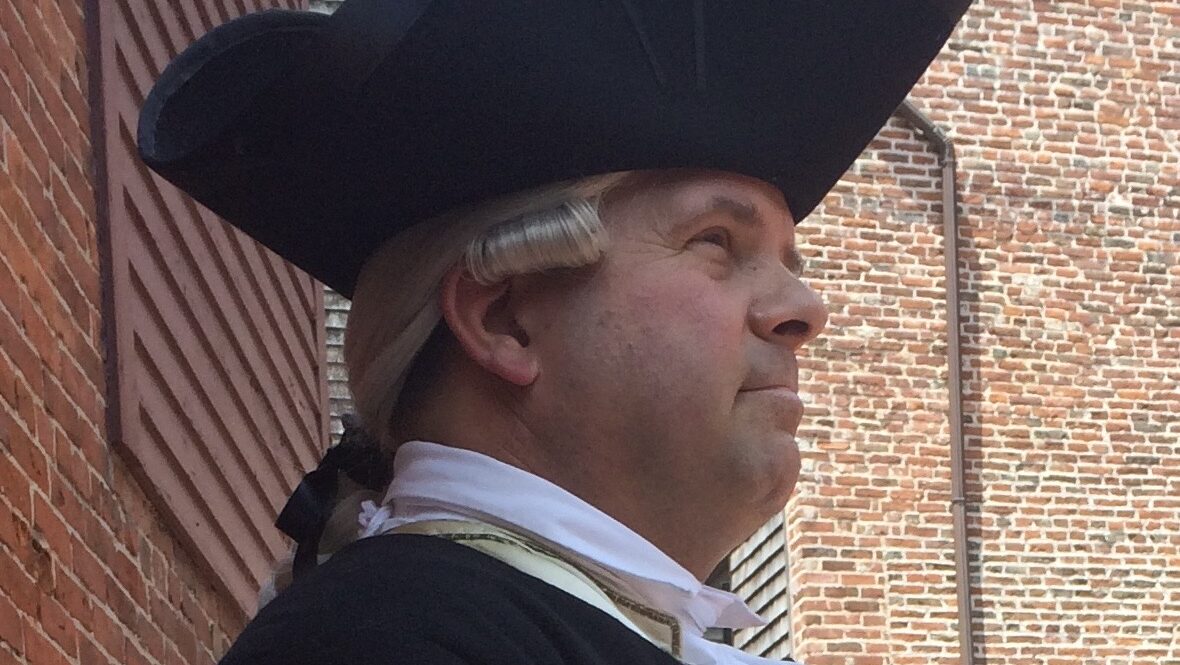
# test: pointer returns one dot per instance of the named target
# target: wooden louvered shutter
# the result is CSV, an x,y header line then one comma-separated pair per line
x,y
218,389
760,574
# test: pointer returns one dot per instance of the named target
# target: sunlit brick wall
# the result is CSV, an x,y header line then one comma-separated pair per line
x,y
1066,118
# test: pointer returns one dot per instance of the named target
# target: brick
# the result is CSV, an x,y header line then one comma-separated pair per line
x,y
12,625
77,601
58,626
25,451
49,526
109,636
40,650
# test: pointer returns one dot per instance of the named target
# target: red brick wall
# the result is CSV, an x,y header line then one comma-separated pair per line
x,y
88,573
1066,116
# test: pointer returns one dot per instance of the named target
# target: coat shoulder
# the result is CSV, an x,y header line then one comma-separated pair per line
x,y
421,599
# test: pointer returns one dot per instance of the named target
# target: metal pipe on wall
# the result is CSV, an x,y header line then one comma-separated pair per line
x,y
950,225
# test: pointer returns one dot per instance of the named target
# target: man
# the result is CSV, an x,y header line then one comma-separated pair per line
x,y
568,232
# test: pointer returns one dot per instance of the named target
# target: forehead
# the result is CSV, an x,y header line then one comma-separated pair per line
x,y
661,200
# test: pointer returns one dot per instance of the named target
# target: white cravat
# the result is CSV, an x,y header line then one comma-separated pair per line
x,y
436,482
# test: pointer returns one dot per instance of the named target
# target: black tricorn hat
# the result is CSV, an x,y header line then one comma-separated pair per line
x,y
321,137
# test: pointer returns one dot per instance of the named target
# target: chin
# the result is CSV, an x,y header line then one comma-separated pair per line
x,y
778,495
772,473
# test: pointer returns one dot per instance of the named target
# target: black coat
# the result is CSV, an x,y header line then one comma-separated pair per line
x,y
419,599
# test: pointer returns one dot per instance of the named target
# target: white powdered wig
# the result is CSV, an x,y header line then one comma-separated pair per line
x,y
567,236
395,305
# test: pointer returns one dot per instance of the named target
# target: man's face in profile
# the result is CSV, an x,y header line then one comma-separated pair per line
x,y
675,358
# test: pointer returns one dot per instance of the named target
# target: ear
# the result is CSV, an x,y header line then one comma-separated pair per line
x,y
482,319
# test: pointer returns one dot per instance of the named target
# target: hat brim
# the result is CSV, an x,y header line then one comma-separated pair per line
x,y
475,99
216,80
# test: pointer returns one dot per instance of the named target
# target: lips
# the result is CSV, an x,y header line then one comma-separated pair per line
x,y
781,400
794,389
781,392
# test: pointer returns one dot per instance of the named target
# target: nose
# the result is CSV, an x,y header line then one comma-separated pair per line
x,y
789,313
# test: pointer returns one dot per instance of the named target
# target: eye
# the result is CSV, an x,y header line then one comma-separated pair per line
x,y
715,236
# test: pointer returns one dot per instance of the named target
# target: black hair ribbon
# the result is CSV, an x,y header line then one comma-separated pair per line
x,y
306,513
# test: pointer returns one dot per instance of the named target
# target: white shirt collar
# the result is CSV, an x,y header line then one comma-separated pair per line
x,y
433,481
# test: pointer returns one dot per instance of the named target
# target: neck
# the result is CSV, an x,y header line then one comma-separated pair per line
x,y
465,413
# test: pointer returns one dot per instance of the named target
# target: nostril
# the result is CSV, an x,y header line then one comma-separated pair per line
x,y
792,328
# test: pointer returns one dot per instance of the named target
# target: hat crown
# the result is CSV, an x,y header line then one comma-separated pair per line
x,y
394,111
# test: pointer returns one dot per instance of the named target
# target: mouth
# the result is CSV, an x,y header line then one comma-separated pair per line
x,y
773,387
776,392
781,400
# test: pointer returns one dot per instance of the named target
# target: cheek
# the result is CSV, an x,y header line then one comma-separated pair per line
x,y
659,347
697,313
687,338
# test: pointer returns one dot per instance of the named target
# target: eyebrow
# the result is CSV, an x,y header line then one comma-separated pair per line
x,y
747,215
